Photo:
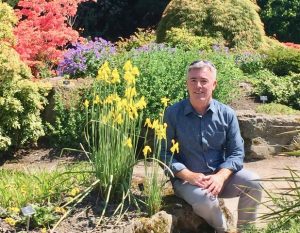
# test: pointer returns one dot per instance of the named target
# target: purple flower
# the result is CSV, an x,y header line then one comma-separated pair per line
x,y
85,58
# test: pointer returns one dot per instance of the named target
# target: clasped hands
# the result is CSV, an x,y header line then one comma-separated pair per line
x,y
213,184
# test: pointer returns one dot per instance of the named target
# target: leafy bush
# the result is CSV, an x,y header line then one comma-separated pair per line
x,y
249,62
67,126
84,59
235,22
281,18
182,38
140,38
21,100
282,60
284,90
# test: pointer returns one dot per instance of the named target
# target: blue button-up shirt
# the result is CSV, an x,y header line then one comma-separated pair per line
x,y
207,143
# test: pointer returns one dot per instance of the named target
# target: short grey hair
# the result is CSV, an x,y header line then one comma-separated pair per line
x,y
201,65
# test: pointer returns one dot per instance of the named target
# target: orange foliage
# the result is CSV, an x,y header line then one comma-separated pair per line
x,y
292,45
44,29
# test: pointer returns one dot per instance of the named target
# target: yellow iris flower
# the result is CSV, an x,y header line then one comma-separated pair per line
x,y
148,123
165,101
127,66
160,131
141,104
119,119
147,150
175,147
135,71
115,76
128,143
86,103
97,99
130,92
104,73
129,77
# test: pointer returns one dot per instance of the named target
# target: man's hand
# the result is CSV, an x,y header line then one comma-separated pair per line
x,y
214,183
194,178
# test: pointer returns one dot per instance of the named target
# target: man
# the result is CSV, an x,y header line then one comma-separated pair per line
x,y
211,152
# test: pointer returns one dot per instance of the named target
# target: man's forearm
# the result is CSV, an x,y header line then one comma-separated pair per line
x,y
184,174
225,173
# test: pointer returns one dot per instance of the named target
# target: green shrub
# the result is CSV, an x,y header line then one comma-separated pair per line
x,y
284,90
235,22
140,38
281,18
182,38
276,109
66,128
7,21
282,60
21,100
250,62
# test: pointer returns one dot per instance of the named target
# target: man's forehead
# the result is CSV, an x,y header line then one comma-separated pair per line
x,y
200,73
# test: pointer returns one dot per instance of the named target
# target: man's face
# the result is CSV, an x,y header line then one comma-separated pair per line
x,y
200,84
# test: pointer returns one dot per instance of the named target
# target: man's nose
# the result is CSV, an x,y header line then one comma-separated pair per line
x,y
198,84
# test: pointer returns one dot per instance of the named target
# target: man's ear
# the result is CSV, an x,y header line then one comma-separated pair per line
x,y
215,84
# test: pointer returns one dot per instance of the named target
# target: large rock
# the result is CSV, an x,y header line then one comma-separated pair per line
x,y
266,135
178,216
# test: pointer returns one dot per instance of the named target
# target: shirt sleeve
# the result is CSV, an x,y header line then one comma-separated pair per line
x,y
166,156
234,147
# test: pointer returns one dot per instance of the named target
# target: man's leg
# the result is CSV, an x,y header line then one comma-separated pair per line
x,y
203,204
244,184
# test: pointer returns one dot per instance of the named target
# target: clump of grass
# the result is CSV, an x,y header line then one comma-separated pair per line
x,y
19,188
284,204
48,192
276,109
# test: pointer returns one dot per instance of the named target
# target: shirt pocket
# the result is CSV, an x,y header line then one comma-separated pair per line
x,y
216,140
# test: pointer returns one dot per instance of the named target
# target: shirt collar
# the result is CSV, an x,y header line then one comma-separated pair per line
x,y
189,108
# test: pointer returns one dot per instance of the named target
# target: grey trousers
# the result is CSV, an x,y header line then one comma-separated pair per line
x,y
243,184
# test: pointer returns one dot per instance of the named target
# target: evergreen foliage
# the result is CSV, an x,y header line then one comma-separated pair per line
x,y
281,19
12,3
234,21
282,60
182,38
20,98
